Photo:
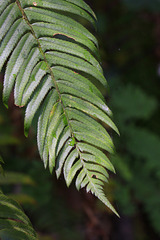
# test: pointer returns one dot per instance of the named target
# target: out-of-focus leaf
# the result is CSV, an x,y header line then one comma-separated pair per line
x,y
8,140
133,103
45,237
16,178
144,145
138,5
23,198
122,167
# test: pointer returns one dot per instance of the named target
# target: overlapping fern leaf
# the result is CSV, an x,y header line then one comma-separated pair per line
x,y
53,65
14,224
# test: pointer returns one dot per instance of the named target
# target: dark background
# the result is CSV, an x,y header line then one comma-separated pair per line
x,y
129,39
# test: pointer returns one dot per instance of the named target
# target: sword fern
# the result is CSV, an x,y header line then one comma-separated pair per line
x,y
53,65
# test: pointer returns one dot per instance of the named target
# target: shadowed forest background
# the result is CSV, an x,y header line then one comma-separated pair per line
x,y
129,39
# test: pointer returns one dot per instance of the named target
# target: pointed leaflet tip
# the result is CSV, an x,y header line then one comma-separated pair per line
x,y
5,101
100,194
68,183
51,166
115,129
5,104
118,132
26,130
108,204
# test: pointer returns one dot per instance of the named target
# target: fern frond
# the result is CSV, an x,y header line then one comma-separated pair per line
x,y
14,224
53,65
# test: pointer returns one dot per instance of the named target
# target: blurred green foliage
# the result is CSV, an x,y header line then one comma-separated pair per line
x,y
129,39
143,4
138,155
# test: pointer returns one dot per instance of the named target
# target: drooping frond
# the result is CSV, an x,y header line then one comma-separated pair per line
x,y
53,65
14,224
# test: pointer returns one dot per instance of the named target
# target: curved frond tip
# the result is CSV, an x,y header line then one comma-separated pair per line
x,y
53,66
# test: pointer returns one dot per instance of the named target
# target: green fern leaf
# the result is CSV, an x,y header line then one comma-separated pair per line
x,y
53,65
14,224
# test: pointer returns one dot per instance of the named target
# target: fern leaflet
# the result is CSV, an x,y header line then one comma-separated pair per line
x,y
14,224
